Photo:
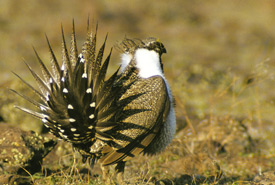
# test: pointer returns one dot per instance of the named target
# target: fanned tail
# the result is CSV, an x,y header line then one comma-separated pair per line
x,y
76,99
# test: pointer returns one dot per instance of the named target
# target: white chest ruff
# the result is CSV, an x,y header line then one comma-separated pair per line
x,y
147,62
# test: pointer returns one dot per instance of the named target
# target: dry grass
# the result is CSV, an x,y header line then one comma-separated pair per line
x,y
220,64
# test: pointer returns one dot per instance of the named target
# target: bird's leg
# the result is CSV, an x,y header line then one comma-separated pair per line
x,y
120,171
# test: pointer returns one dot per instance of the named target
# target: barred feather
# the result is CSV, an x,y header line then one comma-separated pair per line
x,y
72,94
54,64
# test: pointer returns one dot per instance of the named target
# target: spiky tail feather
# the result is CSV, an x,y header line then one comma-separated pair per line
x,y
76,99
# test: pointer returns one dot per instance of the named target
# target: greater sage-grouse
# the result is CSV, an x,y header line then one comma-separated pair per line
x,y
110,120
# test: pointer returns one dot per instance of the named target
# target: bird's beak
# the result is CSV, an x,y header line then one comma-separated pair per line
x,y
161,46
163,50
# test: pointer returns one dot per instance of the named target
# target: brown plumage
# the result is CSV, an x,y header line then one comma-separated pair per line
x,y
111,120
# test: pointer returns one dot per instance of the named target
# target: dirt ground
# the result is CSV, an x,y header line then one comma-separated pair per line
x,y
220,64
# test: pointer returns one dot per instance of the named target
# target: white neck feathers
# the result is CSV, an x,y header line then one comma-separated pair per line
x,y
125,60
147,62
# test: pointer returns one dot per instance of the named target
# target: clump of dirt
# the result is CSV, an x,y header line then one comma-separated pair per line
x,y
22,151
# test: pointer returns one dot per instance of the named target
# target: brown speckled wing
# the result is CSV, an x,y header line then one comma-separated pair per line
x,y
136,131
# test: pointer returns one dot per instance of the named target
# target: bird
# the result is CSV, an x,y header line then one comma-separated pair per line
x,y
109,120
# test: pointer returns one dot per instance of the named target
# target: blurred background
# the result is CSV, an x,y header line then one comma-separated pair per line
x,y
213,46
220,59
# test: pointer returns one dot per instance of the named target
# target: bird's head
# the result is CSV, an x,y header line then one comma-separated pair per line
x,y
145,53
153,44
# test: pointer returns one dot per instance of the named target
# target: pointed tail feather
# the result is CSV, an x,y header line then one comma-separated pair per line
x,y
72,92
